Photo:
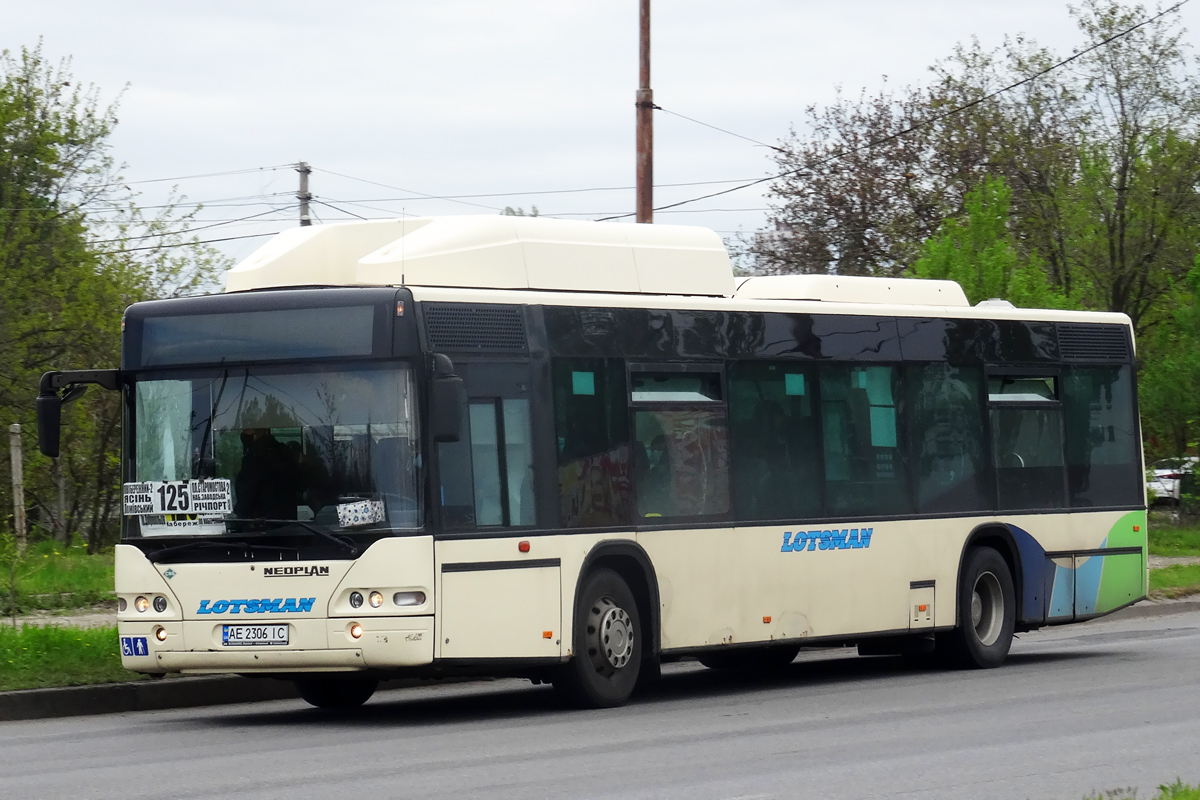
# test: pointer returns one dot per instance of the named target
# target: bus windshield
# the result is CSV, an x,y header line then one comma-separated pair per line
x,y
337,448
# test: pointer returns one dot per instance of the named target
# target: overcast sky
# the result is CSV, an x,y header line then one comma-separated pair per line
x,y
467,97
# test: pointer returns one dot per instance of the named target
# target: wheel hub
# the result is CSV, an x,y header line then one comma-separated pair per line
x,y
610,636
987,609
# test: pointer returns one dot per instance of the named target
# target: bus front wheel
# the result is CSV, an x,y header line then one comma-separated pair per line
x,y
987,611
336,692
607,644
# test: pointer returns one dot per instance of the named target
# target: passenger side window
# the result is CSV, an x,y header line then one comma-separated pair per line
x,y
591,422
773,427
680,444
946,420
865,469
1103,462
1027,443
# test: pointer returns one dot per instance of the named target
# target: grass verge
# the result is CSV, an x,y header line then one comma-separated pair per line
x,y
1174,791
34,657
1168,540
52,576
1177,580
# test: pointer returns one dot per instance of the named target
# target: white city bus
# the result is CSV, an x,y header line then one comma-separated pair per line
x,y
573,451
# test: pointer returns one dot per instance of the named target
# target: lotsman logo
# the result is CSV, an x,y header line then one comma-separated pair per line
x,y
845,539
291,605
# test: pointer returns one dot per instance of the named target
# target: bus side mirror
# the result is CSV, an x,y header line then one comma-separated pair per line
x,y
447,398
49,421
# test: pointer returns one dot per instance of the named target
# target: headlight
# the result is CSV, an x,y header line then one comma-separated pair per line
x,y
355,600
409,598
141,604
376,599
160,604
356,630
160,634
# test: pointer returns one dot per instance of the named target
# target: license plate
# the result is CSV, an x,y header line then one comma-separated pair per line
x,y
253,635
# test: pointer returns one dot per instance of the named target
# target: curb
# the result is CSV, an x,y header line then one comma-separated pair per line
x,y
157,695
1152,608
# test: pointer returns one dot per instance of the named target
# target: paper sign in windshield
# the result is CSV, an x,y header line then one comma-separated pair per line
x,y
213,496
363,512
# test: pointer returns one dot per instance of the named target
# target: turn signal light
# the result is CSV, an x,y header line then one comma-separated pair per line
x,y
523,546
141,604
160,634
376,599
409,598
356,631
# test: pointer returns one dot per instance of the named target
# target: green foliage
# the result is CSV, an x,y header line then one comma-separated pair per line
x,y
57,576
978,251
1174,791
34,657
509,211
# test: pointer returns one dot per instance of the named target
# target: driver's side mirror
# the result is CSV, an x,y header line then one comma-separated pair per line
x,y
447,399
49,423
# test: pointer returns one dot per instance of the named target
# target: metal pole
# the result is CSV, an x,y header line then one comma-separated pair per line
x,y
303,195
645,122
18,482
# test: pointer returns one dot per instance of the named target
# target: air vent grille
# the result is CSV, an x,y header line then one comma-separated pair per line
x,y
456,328
1081,342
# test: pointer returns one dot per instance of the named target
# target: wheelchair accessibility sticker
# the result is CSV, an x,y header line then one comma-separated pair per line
x,y
134,646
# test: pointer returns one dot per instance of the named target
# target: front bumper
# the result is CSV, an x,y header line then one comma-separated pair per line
x,y
314,645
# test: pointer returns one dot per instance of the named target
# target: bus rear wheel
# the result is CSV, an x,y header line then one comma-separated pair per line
x,y
607,644
336,692
987,611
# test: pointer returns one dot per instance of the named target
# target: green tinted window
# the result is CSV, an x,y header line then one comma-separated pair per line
x,y
946,422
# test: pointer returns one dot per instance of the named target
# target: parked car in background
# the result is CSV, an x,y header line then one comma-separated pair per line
x,y
1163,478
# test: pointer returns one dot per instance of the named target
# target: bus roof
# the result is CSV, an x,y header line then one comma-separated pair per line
x,y
503,252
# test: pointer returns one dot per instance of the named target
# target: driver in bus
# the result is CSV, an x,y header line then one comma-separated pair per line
x,y
270,480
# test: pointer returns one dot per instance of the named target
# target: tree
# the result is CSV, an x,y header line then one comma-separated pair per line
x,y
74,251
980,254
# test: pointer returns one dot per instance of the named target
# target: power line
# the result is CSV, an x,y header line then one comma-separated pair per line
x,y
190,230
409,191
187,244
190,177
722,130
340,210
921,124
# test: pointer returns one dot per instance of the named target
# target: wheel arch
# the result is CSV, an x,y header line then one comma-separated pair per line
x,y
633,564
997,536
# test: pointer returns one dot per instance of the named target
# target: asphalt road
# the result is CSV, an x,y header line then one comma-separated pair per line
x,y
1079,709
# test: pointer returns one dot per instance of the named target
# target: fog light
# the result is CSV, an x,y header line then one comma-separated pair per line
x,y
355,600
160,634
376,599
409,598
121,604
355,631
141,604
160,604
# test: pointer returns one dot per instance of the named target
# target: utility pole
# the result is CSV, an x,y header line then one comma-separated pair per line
x,y
645,122
303,195
18,483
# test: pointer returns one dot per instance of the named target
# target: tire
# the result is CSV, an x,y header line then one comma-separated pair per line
x,y
987,611
751,659
336,692
607,645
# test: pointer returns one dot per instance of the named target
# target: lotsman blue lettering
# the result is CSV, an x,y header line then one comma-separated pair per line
x,y
306,604
271,606
220,607
235,606
813,538
852,540
865,535
839,539
203,609
825,543
799,541
787,545
289,606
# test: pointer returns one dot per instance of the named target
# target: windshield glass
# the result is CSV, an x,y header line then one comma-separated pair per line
x,y
337,448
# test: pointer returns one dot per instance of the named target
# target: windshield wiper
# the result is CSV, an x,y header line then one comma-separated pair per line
x,y
158,555
319,530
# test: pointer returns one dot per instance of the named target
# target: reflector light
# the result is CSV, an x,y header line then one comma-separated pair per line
x,y
547,634
409,598
922,608
160,634
356,630
523,546
355,600
141,604
766,620
1137,528
376,599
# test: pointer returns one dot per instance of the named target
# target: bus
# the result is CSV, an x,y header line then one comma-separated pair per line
x,y
573,451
